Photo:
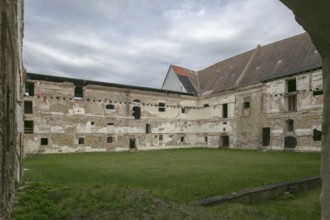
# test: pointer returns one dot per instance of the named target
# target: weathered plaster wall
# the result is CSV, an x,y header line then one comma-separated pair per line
x,y
11,86
232,119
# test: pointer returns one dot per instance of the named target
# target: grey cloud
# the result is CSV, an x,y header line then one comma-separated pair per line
x,y
134,41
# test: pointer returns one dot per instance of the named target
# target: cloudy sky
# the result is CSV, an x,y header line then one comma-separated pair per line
x,y
134,41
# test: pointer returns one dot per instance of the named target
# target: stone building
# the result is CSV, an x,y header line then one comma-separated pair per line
x,y
266,98
11,101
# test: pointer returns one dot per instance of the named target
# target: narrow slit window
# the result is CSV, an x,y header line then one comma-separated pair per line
x,y
225,110
182,138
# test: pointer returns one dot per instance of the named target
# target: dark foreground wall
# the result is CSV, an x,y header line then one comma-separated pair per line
x,y
11,90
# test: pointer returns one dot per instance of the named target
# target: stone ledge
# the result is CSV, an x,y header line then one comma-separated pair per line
x,y
262,193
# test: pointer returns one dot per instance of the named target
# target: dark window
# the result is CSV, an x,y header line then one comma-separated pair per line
x,y
28,109
183,110
110,123
109,106
137,101
290,142
225,110
266,136
109,140
28,127
160,137
246,105
206,105
292,86
182,139
316,93
205,138
29,89
292,103
225,141
289,125
78,92
317,135
132,144
81,140
148,129
161,107
44,141
136,112
92,123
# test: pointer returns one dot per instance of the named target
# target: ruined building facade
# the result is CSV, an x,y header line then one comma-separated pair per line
x,y
266,98
11,101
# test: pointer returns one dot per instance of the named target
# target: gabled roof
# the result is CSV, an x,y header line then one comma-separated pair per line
x,y
279,59
188,78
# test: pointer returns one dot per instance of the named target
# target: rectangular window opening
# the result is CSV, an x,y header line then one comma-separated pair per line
x,y
291,85
317,93
161,107
148,129
292,103
246,105
28,107
206,105
78,92
109,140
205,138
110,123
183,110
160,137
81,140
29,89
225,110
28,127
44,141
182,138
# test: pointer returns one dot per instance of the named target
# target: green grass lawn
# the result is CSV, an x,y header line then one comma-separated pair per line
x,y
168,176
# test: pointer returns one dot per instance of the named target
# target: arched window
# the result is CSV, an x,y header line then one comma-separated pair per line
x,y
136,112
289,125
109,140
110,106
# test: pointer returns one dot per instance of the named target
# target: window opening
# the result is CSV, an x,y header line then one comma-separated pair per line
x,y
78,92
246,105
290,142
28,109
148,129
110,107
292,103
44,141
183,110
81,141
206,105
110,123
29,89
225,110
205,138
28,127
136,112
160,137
109,140
266,136
316,93
317,135
291,85
225,141
289,125
161,107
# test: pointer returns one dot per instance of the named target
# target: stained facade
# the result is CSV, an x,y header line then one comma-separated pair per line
x,y
266,98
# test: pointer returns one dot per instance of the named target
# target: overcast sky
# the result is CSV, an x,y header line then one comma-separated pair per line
x,y
135,41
